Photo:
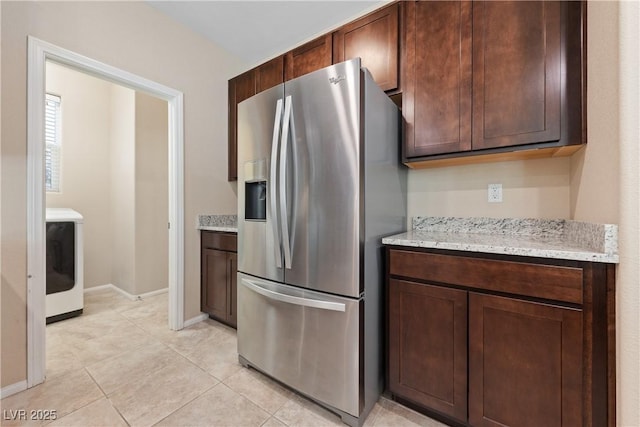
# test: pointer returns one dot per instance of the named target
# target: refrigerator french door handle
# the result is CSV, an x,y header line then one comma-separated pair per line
x,y
284,220
273,188
290,299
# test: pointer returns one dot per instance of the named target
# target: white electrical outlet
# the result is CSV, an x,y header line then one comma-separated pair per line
x,y
494,192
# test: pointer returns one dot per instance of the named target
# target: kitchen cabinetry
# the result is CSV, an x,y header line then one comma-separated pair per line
x,y
436,102
269,74
485,78
219,269
516,73
373,38
488,340
244,86
518,346
477,81
309,57
240,88
428,346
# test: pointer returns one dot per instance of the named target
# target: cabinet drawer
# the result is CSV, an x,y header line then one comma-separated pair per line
x,y
219,240
539,281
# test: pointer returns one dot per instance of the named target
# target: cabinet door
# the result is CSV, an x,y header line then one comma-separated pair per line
x,y
240,88
214,283
436,101
374,39
232,280
428,346
516,73
309,57
270,74
525,363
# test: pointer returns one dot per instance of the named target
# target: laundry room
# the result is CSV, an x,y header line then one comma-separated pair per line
x,y
106,172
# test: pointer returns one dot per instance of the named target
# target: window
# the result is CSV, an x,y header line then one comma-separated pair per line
x,y
52,141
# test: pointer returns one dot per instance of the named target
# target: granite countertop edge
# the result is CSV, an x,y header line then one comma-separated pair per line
x,y
217,228
225,223
556,239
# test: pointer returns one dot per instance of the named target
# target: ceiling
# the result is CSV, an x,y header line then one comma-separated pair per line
x,y
259,30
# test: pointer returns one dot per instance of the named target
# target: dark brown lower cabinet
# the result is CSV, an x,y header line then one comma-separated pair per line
x,y
219,269
428,346
496,340
525,363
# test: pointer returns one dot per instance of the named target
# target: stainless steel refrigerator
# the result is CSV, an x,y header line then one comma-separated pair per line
x,y
319,184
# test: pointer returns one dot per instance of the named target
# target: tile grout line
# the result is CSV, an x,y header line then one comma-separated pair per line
x,y
88,403
95,382
189,402
251,400
192,362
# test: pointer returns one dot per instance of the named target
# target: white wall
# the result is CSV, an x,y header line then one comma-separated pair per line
x,y
85,165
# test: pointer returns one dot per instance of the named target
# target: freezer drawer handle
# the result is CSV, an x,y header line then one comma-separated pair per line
x,y
307,302
272,183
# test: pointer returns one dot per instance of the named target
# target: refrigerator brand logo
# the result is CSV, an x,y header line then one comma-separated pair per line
x,y
336,80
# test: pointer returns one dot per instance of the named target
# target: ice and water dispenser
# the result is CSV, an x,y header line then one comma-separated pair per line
x,y
255,191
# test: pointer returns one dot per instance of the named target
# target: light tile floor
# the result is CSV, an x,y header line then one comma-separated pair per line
x,y
118,364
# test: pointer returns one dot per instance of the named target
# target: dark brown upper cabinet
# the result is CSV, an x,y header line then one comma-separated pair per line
x,y
373,38
494,80
270,74
240,88
516,73
309,57
436,102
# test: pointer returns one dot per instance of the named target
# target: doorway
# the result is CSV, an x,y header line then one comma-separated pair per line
x,y
105,162
39,52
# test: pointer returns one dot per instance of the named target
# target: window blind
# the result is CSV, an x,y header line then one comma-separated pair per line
x,y
52,143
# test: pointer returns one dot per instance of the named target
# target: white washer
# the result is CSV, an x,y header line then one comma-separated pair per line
x,y
65,272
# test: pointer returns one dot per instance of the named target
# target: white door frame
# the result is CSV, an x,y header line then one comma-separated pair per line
x,y
38,53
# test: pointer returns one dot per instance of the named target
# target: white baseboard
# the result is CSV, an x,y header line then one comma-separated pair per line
x,y
154,293
125,293
98,288
197,319
13,389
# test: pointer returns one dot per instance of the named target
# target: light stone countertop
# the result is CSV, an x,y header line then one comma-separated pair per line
x,y
559,239
228,223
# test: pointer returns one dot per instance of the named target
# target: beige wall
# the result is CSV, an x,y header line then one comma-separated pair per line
x,y
122,190
628,286
594,171
604,178
85,165
152,190
531,189
134,37
1,243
